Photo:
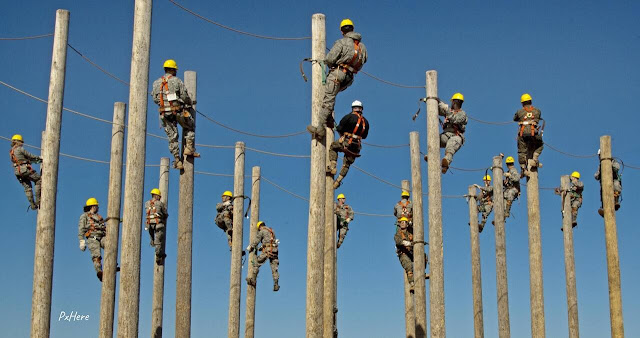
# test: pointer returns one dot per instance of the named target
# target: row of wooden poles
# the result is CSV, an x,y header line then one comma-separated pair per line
x,y
321,255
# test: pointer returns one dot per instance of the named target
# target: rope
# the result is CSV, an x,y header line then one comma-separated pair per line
x,y
385,81
276,154
569,154
489,122
632,167
465,169
212,174
96,65
27,37
377,178
285,190
233,29
386,146
247,133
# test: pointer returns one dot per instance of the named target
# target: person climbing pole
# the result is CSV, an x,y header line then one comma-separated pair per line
x,y
485,203
25,174
529,138
345,216
404,208
404,249
345,59
511,184
353,128
269,250
453,128
92,233
156,214
575,192
224,218
175,106
617,184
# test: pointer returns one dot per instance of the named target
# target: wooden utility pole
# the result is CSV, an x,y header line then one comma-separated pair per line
x,y
418,237
108,297
46,220
476,271
315,237
250,316
129,296
569,262
185,227
436,283
330,251
409,302
535,257
157,306
504,327
235,286
611,238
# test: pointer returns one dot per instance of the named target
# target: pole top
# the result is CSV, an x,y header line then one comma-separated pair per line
x,y
240,144
318,16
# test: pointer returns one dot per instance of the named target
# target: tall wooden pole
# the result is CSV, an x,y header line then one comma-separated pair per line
x,y
476,271
535,257
315,237
409,302
418,237
46,220
185,229
108,297
611,238
569,262
436,283
236,246
157,306
329,299
129,296
504,327
250,316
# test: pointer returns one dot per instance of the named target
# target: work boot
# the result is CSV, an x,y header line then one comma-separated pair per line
x,y
332,168
601,212
276,287
445,165
33,205
251,281
317,132
508,211
160,259
177,164
190,149
338,182
426,158
617,206
340,240
426,276
99,274
481,226
531,163
411,282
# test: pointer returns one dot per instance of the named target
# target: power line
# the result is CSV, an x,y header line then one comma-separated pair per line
x,y
386,146
490,122
247,133
233,29
97,66
387,82
569,154
27,37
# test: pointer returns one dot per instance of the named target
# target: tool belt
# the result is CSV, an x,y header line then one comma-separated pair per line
x,y
347,69
533,127
352,146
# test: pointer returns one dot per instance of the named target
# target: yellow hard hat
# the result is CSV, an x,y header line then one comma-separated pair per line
x,y
509,160
340,196
525,97
403,219
486,178
575,174
91,202
405,193
156,191
170,64
346,22
259,224
457,96
227,193
16,137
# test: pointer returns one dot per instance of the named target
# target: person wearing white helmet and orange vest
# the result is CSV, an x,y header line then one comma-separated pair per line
x,y
453,128
156,215
92,232
175,107
345,216
353,128
530,142
485,202
345,59
21,160
511,185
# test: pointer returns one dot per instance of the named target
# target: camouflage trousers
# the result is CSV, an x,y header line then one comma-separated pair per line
x,y
485,209
170,124
406,260
337,81
510,194
25,177
576,203
94,244
157,234
617,191
266,253
451,144
338,146
529,147
343,228
224,222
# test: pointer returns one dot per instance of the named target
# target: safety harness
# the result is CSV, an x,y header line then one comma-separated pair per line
x,y
268,247
403,249
17,163
152,217
456,128
404,207
346,210
354,65
95,225
170,107
529,120
355,136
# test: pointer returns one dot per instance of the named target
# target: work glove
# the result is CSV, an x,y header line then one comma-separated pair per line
x,y
348,220
277,241
406,243
38,160
226,203
83,244
249,248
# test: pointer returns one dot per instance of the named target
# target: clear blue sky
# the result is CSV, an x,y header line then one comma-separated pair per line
x,y
577,59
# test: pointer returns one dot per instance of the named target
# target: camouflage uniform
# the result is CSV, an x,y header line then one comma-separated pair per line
x,y
156,213
344,64
93,228
452,137
485,204
224,218
404,249
172,101
269,250
345,216
511,188
21,160
575,192
617,184
530,143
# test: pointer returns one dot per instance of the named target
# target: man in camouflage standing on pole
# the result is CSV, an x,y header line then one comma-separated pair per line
x,y
530,142
485,203
92,233
511,186
269,250
156,214
22,160
345,216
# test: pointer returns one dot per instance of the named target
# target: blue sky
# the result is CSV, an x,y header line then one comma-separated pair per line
x,y
577,59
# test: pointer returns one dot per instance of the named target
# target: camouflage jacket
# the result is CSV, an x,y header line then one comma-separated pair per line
x,y
343,51
528,117
576,188
91,225
175,86
403,208
399,237
512,179
615,166
455,121
486,196
225,209
344,212
155,212
266,237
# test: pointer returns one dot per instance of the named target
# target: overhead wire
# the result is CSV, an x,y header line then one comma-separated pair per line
x,y
27,37
97,66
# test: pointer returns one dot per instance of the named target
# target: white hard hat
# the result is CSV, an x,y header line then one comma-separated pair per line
x,y
356,103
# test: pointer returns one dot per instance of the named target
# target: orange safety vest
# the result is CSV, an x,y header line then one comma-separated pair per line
x,y
354,64
93,226
527,117
151,211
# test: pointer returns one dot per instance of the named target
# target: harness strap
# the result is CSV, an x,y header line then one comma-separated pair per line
x,y
92,226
